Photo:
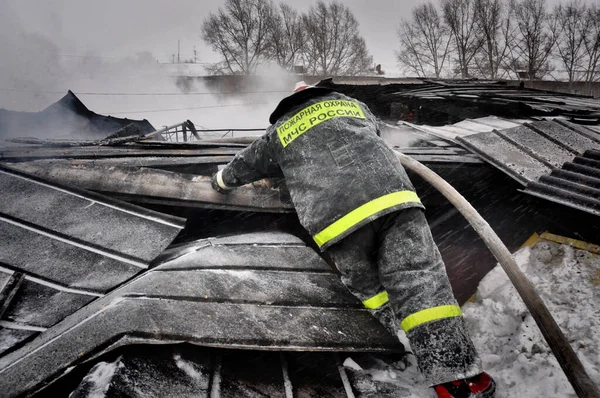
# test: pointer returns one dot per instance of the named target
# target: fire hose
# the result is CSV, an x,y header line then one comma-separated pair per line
x,y
564,353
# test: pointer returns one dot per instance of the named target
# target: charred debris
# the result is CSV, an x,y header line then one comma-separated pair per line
x,y
117,240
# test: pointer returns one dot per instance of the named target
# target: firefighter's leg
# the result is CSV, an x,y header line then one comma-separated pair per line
x,y
356,258
414,275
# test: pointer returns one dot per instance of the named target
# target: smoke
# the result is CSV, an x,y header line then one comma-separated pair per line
x,y
36,72
30,61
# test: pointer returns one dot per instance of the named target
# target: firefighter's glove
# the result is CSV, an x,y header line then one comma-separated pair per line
x,y
218,184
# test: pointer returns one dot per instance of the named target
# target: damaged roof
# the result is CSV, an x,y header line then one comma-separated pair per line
x,y
438,102
64,247
555,160
260,291
76,292
68,117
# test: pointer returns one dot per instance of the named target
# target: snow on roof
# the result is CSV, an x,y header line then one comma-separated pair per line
x,y
507,338
467,127
511,345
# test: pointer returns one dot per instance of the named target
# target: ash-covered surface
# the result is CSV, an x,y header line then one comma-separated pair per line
x,y
189,371
538,146
10,338
512,348
154,372
284,306
502,154
572,138
259,257
43,306
61,248
575,184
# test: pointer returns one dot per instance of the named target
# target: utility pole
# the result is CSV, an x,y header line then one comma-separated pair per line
x,y
178,60
195,55
173,59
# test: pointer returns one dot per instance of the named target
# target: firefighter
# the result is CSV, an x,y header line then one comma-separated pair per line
x,y
354,198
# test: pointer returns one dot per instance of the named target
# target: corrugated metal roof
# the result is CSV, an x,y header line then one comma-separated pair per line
x,y
575,184
555,160
253,294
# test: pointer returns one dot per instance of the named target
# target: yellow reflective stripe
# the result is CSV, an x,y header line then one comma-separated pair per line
x,y
359,214
430,314
316,114
376,301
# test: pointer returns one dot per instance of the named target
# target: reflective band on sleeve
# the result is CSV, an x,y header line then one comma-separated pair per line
x,y
430,314
316,114
367,210
220,180
376,301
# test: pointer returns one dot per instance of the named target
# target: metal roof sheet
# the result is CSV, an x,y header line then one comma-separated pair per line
x,y
575,184
467,127
62,247
294,303
555,160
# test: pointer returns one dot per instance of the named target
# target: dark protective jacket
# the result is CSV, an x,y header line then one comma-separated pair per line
x,y
340,173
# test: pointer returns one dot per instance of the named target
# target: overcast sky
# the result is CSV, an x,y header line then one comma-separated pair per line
x,y
42,42
113,28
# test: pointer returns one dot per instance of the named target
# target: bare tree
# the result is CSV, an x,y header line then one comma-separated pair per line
x,y
459,15
532,43
591,42
239,33
424,42
287,37
569,33
492,23
333,42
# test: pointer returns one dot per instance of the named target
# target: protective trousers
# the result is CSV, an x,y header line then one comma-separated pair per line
x,y
394,261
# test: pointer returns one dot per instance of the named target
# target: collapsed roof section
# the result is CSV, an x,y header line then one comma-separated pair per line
x,y
261,291
439,103
68,117
258,291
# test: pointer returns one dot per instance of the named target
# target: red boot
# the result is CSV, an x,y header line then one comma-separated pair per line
x,y
480,386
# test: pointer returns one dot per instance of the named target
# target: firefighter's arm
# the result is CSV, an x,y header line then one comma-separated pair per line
x,y
253,163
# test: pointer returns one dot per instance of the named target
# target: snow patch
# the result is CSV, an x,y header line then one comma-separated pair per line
x,y
382,378
98,380
349,363
188,368
511,345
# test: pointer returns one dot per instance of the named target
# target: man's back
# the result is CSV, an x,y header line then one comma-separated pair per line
x,y
334,162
